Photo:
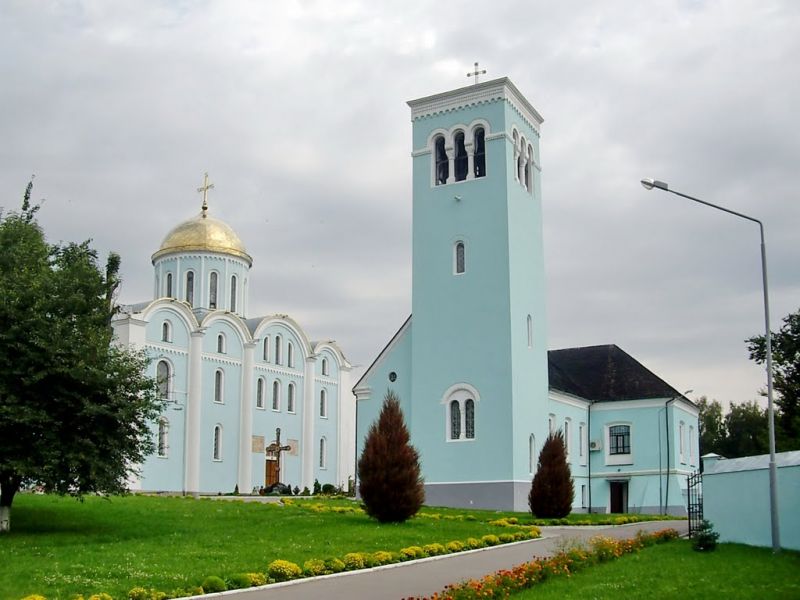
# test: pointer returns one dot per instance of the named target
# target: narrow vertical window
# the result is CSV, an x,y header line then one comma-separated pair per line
x,y
260,393
290,398
323,453
323,403
682,442
276,395
515,141
442,162
521,162
551,424
532,454
455,420
233,293
217,454
212,291
581,444
691,445
190,288
324,366
163,439
583,496
469,418
221,343
266,349
479,146
460,161
166,334
460,261
530,332
529,169
169,285
289,355
218,386
278,350
568,437
163,379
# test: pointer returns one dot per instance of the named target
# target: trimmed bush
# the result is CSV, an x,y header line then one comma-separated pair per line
x,y
455,546
314,567
212,584
705,540
552,488
506,537
334,565
282,570
434,549
381,557
490,540
353,561
239,581
474,543
388,469
100,596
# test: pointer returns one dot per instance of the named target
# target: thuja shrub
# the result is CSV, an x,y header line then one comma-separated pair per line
x,y
388,469
552,488
213,583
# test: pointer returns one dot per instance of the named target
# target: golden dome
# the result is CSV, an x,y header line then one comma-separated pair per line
x,y
203,234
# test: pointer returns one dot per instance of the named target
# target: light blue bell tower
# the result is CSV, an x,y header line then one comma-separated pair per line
x,y
478,352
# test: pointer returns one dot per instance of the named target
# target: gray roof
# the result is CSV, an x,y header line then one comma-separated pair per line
x,y
752,463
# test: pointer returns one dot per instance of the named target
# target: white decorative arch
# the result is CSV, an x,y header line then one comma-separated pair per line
x,y
464,396
291,325
179,308
333,347
237,324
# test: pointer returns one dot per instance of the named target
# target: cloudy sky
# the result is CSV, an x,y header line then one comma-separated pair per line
x,y
297,111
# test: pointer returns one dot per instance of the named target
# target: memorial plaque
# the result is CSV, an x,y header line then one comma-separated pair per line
x,y
258,444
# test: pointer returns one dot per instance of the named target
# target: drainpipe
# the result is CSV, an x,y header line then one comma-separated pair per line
x,y
589,450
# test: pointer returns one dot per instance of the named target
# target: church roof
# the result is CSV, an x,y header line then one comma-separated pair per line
x,y
203,234
603,374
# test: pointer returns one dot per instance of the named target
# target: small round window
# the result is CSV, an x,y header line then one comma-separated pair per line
x,y
393,376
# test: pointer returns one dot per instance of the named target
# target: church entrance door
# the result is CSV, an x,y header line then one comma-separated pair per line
x,y
271,474
619,496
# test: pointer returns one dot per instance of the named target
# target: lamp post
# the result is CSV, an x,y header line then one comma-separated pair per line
x,y
649,184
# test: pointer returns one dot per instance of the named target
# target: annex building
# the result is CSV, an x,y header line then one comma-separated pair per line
x,y
231,381
479,390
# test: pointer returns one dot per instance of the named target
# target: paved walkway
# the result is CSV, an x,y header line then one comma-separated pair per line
x,y
426,576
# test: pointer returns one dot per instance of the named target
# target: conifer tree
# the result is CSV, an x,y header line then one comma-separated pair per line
x,y
552,488
388,470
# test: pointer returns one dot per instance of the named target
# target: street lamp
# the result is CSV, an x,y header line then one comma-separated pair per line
x,y
649,184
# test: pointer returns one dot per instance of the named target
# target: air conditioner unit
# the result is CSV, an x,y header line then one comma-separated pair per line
x,y
595,445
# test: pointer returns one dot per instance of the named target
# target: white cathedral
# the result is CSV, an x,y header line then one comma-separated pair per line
x,y
237,388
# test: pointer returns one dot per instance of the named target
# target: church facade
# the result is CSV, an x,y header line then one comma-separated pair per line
x,y
479,390
237,388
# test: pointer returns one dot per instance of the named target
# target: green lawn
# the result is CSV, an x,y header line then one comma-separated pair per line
x,y
674,570
59,546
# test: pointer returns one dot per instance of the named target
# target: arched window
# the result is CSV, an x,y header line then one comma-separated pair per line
x,y
190,288
459,260
260,393
582,442
682,433
221,343
233,293
532,458
455,420
323,453
169,285
217,453
515,141
276,395
278,350
163,437
529,169
218,386
163,378
324,366
289,355
469,418
530,332
442,164
568,436
521,163
266,349
479,147
212,290
290,398
323,403
166,332
460,162
691,444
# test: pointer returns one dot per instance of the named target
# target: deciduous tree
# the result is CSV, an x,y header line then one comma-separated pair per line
x,y
552,488
711,424
388,470
75,409
786,372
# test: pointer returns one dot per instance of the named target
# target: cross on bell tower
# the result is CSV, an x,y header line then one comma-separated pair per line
x,y
476,72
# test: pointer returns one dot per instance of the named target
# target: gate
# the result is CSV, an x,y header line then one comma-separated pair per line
x,y
695,501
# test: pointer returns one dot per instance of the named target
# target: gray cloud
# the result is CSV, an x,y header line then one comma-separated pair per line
x,y
298,113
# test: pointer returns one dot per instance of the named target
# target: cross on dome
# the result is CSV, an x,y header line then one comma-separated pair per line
x,y
204,188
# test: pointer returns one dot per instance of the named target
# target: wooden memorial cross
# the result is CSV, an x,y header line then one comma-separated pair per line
x,y
274,450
